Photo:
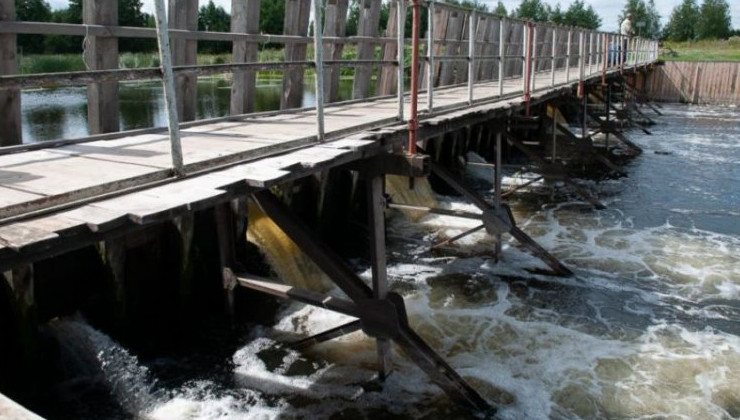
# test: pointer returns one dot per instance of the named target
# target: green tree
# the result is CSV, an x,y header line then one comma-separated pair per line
x,y
683,22
557,15
213,18
272,13
714,20
32,11
59,44
645,17
581,16
130,14
534,10
500,9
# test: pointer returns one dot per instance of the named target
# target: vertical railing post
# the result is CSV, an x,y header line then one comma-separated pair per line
x,y
581,60
525,54
553,58
497,187
471,54
533,60
101,53
605,58
401,53
590,53
168,83
414,117
318,55
10,98
567,54
430,56
501,56
244,18
529,28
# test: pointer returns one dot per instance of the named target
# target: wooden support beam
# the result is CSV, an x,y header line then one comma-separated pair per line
x,y
585,146
331,334
376,222
380,318
309,297
394,164
245,18
295,23
498,218
10,99
554,169
335,23
227,252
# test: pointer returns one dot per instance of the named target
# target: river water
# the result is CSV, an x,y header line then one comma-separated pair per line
x,y
647,328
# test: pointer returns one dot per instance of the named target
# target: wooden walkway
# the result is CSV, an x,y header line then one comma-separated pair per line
x,y
86,189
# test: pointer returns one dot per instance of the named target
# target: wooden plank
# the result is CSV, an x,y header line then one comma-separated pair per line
x,y
19,236
10,99
183,14
10,196
101,53
97,219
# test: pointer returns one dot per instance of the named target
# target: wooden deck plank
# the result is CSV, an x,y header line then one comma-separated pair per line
x,y
9,196
19,236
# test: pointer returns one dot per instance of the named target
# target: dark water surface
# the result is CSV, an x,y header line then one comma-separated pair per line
x,y
648,328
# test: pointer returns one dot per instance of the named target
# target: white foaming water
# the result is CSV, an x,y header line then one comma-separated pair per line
x,y
647,328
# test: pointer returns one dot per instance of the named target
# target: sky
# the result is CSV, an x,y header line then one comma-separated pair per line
x,y
609,10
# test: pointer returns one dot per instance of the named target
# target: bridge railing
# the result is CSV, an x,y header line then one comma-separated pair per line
x,y
462,46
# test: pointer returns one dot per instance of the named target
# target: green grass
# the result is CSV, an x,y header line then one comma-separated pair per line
x,y
707,50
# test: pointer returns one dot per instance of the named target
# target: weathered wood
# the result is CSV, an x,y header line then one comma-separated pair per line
x,y
245,17
227,252
101,53
10,99
295,23
368,23
183,14
331,334
335,23
454,32
388,77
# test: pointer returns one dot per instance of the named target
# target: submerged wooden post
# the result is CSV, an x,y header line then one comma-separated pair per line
x,y
367,27
10,99
183,14
245,18
227,252
376,221
295,23
101,53
335,24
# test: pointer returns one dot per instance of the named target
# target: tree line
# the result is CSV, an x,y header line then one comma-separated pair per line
x,y
690,21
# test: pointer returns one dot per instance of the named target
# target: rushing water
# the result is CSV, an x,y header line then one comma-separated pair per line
x,y
649,326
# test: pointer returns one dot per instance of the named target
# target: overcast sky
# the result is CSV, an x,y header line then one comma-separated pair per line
x,y
609,10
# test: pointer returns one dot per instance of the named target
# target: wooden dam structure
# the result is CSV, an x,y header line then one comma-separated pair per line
x,y
474,81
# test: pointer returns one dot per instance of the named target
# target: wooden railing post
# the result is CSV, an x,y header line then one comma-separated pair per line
x,y
10,99
388,75
335,24
367,27
245,18
295,23
183,14
101,53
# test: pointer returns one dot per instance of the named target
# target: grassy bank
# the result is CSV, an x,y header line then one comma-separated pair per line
x,y
716,50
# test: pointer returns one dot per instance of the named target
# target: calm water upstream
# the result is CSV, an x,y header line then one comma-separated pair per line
x,y
648,328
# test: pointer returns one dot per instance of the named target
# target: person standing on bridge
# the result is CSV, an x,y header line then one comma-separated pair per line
x,y
625,29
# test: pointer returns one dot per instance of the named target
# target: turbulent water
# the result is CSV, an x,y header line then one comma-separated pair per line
x,y
649,326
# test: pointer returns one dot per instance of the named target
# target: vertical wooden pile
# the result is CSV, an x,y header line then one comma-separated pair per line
x,y
367,27
245,18
388,77
101,53
335,24
10,99
183,14
453,34
295,23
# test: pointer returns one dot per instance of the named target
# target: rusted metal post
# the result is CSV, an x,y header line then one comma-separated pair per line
x,y
430,56
414,117
101,53
400,53
501,56
471,54
318,48
10,98
168,84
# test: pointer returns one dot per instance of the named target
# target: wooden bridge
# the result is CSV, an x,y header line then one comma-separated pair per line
x,y
474,69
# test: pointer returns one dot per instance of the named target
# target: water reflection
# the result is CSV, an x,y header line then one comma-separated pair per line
x,y
50,114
